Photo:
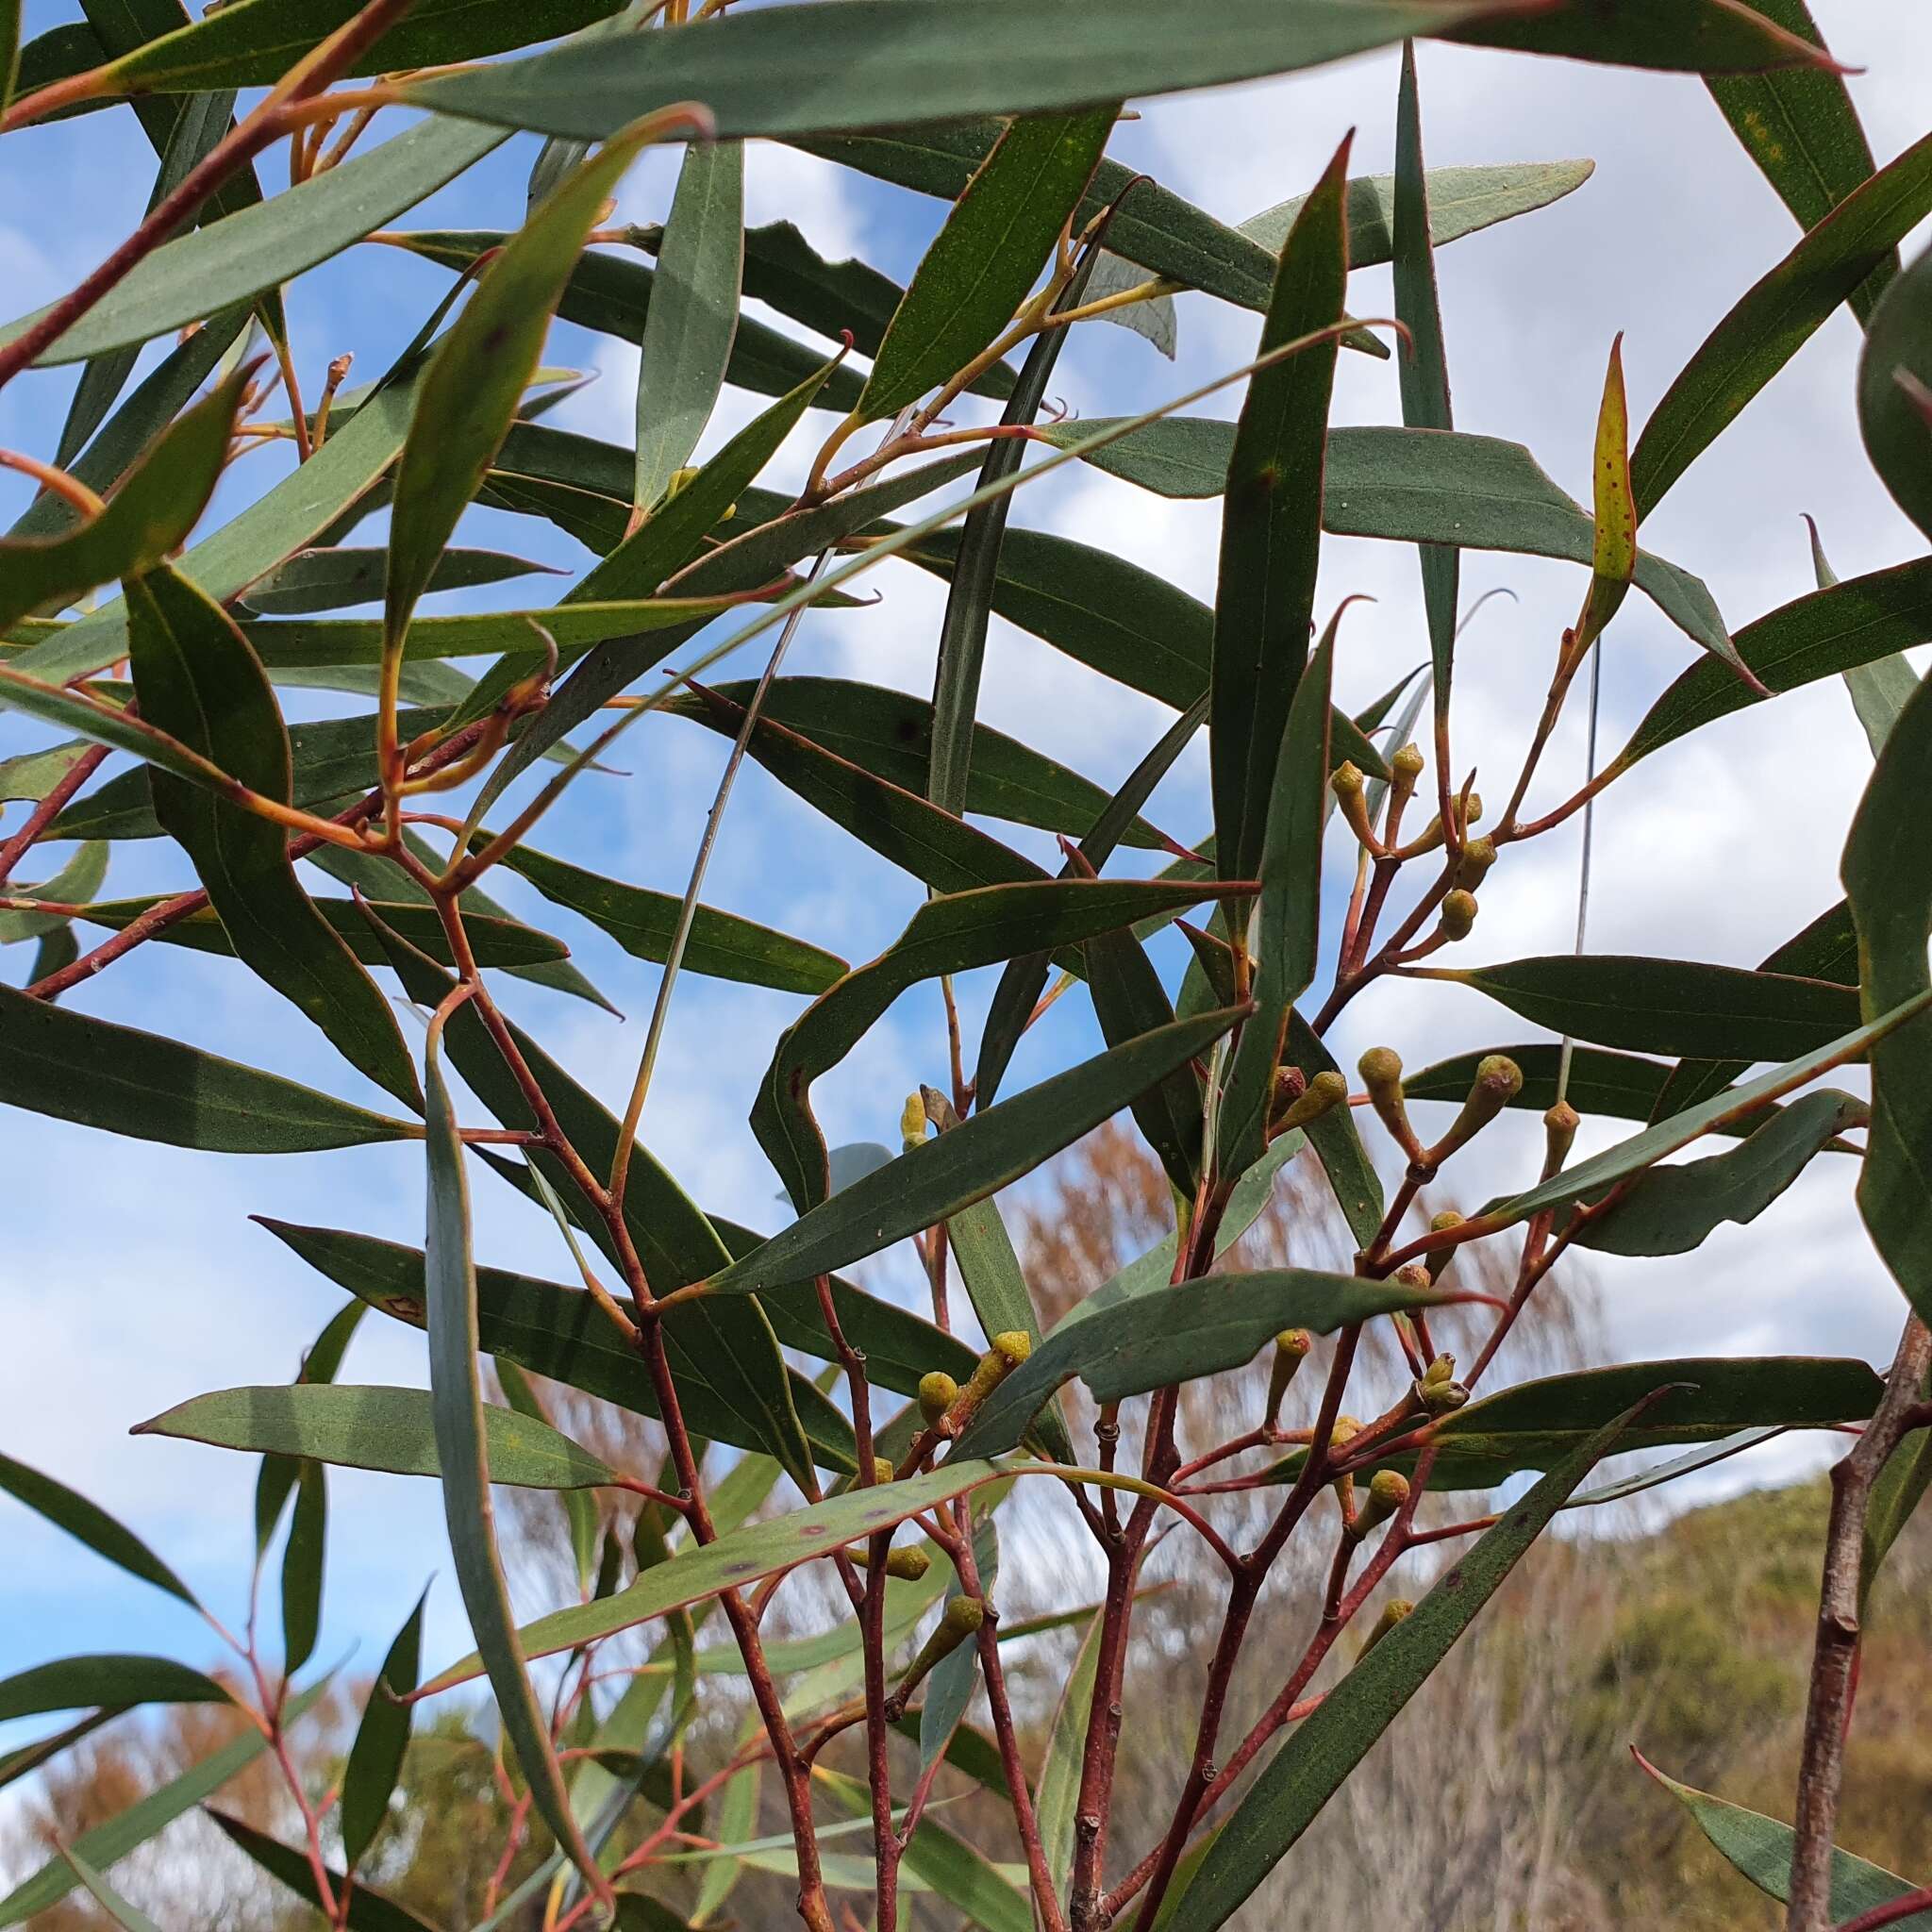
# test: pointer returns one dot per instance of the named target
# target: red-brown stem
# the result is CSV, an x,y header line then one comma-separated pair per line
x,y
1821,1767
49,809
1891,1913
243,143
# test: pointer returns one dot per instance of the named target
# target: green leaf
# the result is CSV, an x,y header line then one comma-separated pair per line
x,y
122,1833
369,1911
642,923
1887,870
1895,381
1056,1797
361,1427
1414,486
98,1074
79,878
74,1682
329,579
254,42
1776,317
148,516
889,733
1760,1849
972,1162
256,248
469,395
18,1763
1271,528
1800,127
740,1556
34,774
1880,691
1284,926
954,1681
279,1474
997,1290
1422,363
303,1559
787,70
1818,635
694,315
376,1758
1322,1750
1734,1103
129,1918
462,1447
198,681
986,259
1677,1006
613,296
738,1820
1162,1336
1672,35
1336,1143
88,1523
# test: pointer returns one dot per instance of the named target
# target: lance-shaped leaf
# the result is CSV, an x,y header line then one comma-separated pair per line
x,y
150,515
333,578
362,1427
33,774
134,1826
732,1341
1818,635
27,1759
642,923
1880,691
996,1286
1284,926
987,257
98,1074
1336,1143
459,1424
1271,527
197,679
1614,556
1415,486
1887,870
1673,36
889,733
278,1475
1759,1848
381,1739
1324,1748
1895,1495
791,70
129,1918
973,1161
74,1682
562,1334
88,1523
955,1680
367,1911
1166,1334
738,1558
1800,127
79,878
469,395
694,315
1774,319
1128,1002
233,260
1422,362
1678,1007
1057,1794
1895,386
1708,1116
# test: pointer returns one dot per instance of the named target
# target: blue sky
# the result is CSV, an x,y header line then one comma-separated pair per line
x,y
132,1278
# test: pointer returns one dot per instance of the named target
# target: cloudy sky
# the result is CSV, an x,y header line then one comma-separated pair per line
x,y
132,1278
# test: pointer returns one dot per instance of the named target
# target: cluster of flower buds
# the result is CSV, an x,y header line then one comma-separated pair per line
x,y
947,1407
1498,1081
1437,1390
1298,1102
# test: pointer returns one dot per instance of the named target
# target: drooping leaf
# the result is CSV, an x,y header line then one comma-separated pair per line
x,y
1057,1795
74,1682
1880,691
197,679
986,259
355,1427
972,1162
376,1758
1324,1748
1774,319
77,1068
1678,1007
88,1523
1895,383
459,1432
693,314
1336,1143
1759,1848
148,516
367,1910
797,72
1271,527
1165,1334
1886,871
129,1918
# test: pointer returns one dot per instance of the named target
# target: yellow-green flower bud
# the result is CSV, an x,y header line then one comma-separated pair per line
x,y
1441,1398
1388,1492
1393,1612
908,1564
1008,1352
1291,1348
1559,1132
1459,914
1407,766
1438,1259
1328,1088
1431,836
1498,1081
1414,1274
938,1392
882,1470
1478,855
963,1616
912,1123
1441,1370
1381,1072
1346,780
